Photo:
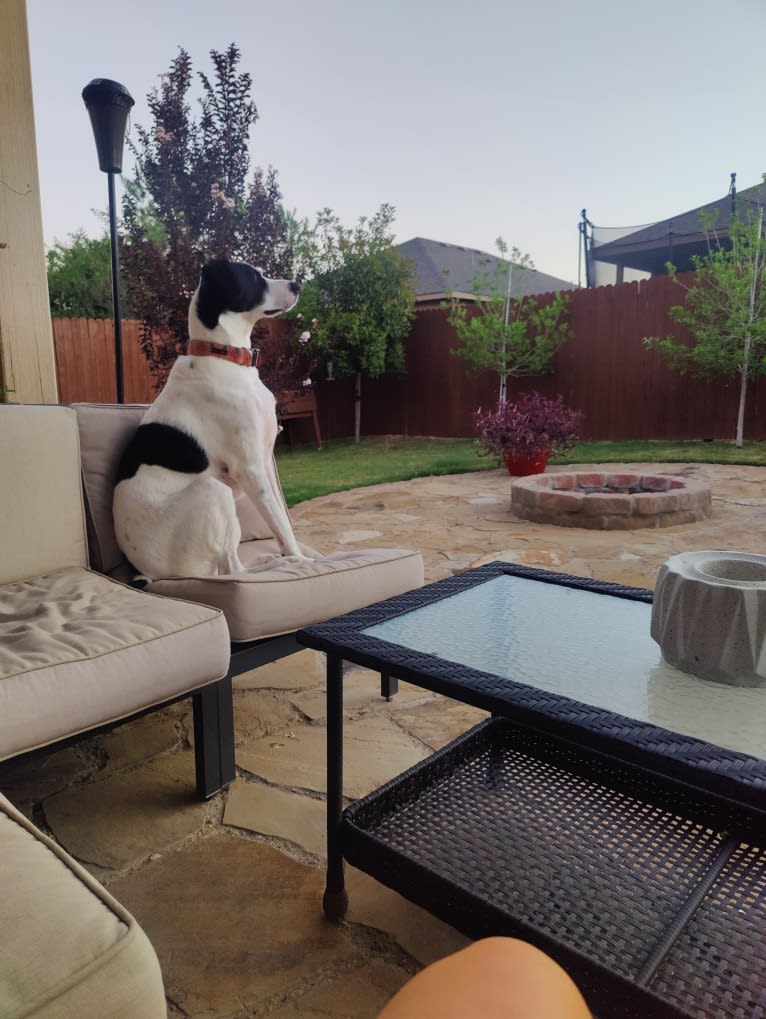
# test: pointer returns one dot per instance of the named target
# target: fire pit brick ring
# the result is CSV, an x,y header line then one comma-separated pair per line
x,y
603,501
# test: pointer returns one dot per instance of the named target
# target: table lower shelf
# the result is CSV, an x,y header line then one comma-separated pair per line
x,y
651,894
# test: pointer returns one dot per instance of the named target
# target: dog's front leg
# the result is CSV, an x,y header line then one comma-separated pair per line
x,y
257,486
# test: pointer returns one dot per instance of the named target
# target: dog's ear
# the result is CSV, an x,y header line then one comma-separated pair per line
x,y
214,269
228,286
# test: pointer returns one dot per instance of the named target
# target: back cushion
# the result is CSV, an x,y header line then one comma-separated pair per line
x,y
105,430
42,525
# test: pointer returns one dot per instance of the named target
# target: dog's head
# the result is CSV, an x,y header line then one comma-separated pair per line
x,y
232,296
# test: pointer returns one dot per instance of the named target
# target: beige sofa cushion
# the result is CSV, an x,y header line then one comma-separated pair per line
x,y
80,650
67,948
104,432
42,525
283,594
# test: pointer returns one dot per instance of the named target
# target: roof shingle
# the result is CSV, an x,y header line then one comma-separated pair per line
x,y
441,269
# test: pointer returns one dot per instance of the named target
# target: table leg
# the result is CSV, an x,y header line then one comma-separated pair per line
x,y
335,901
389,685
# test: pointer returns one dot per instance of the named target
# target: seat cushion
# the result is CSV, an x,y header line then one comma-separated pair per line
x,y
42,524
67,948
281,594
81,650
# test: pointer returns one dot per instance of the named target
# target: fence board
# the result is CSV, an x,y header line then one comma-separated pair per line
x,y
604,370
624,390
84,350
138,380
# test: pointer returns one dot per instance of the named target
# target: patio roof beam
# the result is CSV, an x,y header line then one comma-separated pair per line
x,y
27,361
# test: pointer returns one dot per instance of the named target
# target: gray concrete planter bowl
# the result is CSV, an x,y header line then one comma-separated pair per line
x,y
709,615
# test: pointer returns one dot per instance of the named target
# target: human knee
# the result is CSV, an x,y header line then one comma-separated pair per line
x,y
497,977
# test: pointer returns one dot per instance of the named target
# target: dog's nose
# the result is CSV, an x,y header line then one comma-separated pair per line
x,y
294,288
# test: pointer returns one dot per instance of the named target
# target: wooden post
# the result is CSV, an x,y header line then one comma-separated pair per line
x,y
27,364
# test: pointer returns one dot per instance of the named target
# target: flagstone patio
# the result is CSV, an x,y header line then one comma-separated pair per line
x,y
230,891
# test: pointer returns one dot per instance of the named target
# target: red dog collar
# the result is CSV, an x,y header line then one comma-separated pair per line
x,y
206,348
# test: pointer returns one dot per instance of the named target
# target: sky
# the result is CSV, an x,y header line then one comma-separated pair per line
x,y
474,120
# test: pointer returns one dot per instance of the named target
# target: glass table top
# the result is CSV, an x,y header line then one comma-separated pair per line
x,y
588,646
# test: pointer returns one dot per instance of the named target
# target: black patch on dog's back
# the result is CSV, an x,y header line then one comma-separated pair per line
x,y
162,446
227,286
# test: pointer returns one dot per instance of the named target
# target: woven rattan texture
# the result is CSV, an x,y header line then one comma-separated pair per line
x,y
728,772
587,852
718,965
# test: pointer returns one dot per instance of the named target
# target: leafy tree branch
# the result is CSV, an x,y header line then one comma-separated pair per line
x,y
358,300
192,198
510,336
724,307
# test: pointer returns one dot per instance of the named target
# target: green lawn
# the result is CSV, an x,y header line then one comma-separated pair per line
x,y
307,472
659,451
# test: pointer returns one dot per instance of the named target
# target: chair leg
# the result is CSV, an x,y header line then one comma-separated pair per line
x,y
214,737
317,433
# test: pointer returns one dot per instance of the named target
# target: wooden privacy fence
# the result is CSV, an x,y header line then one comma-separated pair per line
x,y
604,370
85,361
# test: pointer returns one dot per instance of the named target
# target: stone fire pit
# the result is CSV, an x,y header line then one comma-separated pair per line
x,y
603,501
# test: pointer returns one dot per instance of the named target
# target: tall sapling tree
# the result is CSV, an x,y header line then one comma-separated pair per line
x,y
510,336
358,299
724,306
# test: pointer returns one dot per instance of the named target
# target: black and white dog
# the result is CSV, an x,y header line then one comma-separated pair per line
x,y
207,439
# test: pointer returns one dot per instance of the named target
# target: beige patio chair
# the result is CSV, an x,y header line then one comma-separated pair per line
x,y
80,651
67,947
263,609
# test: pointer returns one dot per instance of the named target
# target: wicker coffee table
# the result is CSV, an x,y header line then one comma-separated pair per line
x,y
610,810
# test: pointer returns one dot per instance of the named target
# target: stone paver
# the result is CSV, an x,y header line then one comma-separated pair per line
x,y
258,713
119,821
139,741
375,751
438,724
361,692
299,671
416,930
26,784
285,815
360,994
235,923
230,891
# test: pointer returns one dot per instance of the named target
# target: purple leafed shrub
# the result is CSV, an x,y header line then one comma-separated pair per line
x,y
528,426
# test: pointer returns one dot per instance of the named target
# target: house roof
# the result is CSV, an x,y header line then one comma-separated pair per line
x,y
441,269
674,239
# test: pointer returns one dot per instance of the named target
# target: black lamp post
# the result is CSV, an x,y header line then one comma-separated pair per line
x,y
108,104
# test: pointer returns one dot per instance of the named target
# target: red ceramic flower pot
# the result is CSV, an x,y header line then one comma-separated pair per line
x,y
522,466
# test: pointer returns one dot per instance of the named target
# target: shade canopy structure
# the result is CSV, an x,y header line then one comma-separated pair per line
x,y
678,239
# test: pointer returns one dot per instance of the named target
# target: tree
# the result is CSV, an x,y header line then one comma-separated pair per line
x,y
80,277
724,308
358,302
192,198
509,336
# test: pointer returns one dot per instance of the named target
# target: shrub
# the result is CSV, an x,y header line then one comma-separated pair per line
x,y
530,425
